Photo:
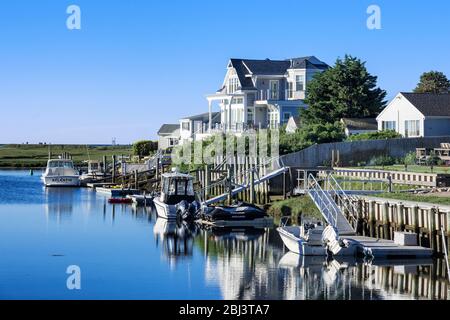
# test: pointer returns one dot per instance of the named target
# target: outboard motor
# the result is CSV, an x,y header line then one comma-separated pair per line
x,y
186,210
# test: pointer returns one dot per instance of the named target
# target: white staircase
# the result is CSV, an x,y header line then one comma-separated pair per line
x,y
324,200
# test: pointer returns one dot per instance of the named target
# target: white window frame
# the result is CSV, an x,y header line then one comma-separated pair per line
x,y
415,128
277,92
299,77
389,125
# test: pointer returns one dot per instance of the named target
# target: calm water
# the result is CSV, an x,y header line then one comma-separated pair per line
x,y
127,253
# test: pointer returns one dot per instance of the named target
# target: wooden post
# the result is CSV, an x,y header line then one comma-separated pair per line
x,y
372,217
400,215
113,177
284,186
432,228
207,181
252,186
136,183
230,185
104,165
385,212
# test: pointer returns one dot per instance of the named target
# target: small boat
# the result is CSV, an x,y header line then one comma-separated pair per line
x,y
60,173
305,240
95,172
241,214
120,200
141,200
177,198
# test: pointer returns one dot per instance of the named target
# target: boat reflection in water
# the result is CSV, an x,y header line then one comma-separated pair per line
x,y
59,203
256,267
176,237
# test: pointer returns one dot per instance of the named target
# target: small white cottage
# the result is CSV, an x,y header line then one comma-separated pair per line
x,y
417,115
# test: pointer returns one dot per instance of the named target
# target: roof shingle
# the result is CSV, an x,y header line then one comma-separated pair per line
x,y
430,104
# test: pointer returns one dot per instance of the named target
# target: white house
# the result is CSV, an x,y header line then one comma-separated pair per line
x,y
417,115
263,93
354,126
168,136
196,127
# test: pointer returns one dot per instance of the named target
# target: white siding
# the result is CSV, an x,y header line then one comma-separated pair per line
x,y
400,110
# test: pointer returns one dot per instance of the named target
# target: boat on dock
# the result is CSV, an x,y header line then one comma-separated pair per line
x,y
60,173
94,173
141,200
177,198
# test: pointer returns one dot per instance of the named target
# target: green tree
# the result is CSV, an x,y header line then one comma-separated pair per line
x,y
433,82
144,148
345,90
311,134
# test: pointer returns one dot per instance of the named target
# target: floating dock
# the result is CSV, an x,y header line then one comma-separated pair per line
x,y
116,192
388,249
141,200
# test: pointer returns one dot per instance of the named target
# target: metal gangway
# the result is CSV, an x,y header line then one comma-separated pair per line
x,y
247,184
331,201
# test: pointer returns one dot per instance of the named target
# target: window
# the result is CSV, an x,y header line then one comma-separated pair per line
x,y
273,119
274,88
290,89
300,83
250,117
389,125
286,116
237,101
186,126
233,84
412,128
173,142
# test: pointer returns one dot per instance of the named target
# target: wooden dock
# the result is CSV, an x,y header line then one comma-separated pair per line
x,y
387,249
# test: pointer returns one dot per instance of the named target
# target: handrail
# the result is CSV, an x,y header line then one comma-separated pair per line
x,y
342,195
313,184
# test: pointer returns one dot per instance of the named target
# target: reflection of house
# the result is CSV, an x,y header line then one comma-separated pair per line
x,y
417,115
196,127
263,93
354,126
168,134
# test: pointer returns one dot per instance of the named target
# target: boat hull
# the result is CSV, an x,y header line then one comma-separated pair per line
x,y
164,210
61,181
300,246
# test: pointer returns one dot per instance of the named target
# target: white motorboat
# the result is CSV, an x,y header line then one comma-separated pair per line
x,y
95,171
177,199
60,173
305,240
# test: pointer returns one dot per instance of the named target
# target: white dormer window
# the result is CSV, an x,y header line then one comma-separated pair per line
x,y
233,84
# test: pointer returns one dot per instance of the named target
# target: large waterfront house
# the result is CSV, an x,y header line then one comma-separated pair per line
x,y
417,115
262,93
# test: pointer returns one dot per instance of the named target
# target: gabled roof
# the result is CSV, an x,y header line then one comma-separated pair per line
x,y
245,68
168,128
430,104
204,117
360,123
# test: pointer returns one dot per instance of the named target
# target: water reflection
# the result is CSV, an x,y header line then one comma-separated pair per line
x,y
58,203
176,238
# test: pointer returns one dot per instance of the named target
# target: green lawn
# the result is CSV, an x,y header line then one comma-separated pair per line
x,y
411,168
37,155
415,198
293,207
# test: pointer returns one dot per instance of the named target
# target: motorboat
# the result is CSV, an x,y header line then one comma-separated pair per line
x,y
95,172
60,173
177,198
305,240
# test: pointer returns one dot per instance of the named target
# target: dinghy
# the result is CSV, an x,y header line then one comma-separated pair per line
x,y
305,240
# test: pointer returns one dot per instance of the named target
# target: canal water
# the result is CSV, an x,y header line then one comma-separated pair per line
x,y
127,253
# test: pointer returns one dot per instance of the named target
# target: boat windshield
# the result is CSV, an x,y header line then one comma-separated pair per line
x,y
60,164
179,187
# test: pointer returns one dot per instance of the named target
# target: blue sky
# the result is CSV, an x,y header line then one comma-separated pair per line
x,y
137,64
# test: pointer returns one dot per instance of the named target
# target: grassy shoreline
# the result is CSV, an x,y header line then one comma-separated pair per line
x,y
15,156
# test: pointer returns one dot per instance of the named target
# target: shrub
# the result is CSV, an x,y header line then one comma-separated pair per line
x,y
379,135
382,161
